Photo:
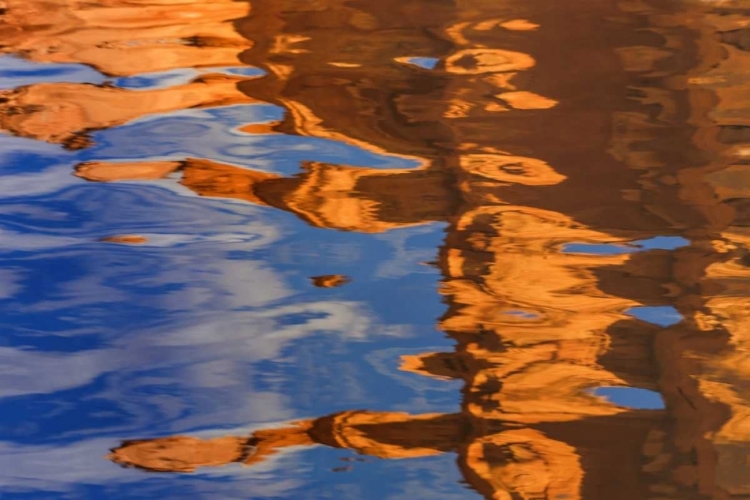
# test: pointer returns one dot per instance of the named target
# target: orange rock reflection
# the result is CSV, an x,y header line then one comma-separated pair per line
x,y
329,280
123,37
64,112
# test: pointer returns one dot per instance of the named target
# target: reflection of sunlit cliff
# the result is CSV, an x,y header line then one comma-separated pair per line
x,y
120,38
123,37
531,324
535,327
701,360
64,112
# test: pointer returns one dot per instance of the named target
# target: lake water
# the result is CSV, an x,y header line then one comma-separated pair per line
x,y
394,249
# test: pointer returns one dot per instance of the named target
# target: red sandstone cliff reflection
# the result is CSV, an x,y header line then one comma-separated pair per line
x,y
597,123
122,37
118,38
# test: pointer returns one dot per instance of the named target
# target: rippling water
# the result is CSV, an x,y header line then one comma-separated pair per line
x,y
397,249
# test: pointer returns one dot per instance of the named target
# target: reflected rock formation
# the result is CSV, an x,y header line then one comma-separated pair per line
x,y
63,113
561,144
118,38
330,280
124,37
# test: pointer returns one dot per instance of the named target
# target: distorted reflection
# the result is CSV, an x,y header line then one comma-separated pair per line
x,y
585,164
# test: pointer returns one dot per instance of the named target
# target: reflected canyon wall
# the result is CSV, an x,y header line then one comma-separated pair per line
x,y
558,142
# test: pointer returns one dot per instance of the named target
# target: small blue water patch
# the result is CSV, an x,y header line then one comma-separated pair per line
x,y
663,243
655,243
598,249
423,62
519,313
180,76
159,79
17,72
631,397
248,71
658,315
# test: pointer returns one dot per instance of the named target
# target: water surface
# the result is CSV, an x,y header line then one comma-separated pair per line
x,y
384,250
